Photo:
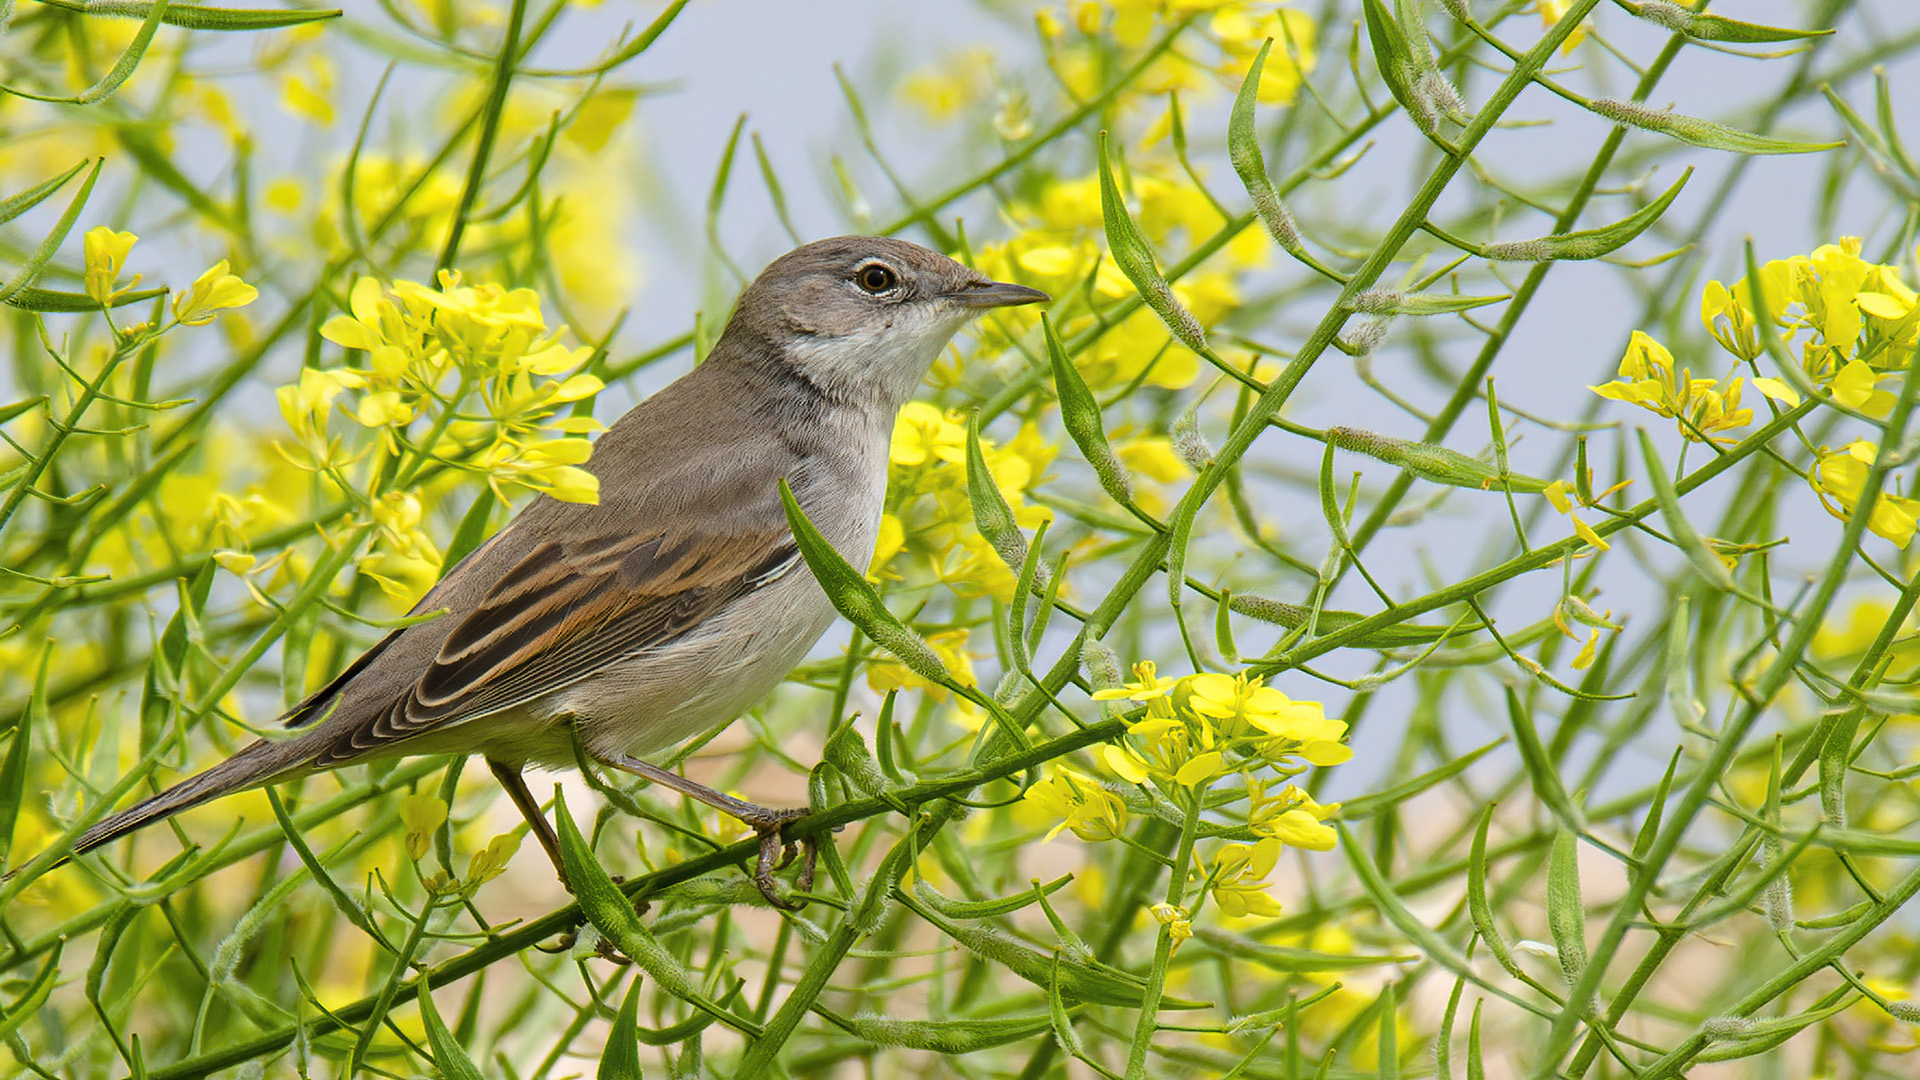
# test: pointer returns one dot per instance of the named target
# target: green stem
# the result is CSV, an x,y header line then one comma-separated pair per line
x,y
1163,944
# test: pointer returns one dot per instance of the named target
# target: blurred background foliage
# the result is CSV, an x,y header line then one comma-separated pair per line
x,y
1277,662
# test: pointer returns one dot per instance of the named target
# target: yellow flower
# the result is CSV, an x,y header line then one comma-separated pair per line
x,y
403,576
1147,685
1177,920
421,814
892,537
1853,386
1240,879
1729,320
1152,456
212,292
1246,706
306,404
491,861
922,433
958,82
106,253
1647,379
1585,532
309,93
1156,749
1080,803
553,471
1288,63
1551,12
1842,475
1290,817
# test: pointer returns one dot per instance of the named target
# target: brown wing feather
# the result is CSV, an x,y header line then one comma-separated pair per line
x,y
564,612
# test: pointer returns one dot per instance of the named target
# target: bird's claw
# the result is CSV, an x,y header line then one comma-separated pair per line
x,y
777,852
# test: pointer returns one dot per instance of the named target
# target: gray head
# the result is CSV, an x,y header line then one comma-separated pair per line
x,y
862,318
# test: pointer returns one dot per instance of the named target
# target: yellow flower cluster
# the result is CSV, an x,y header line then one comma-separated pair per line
x,y
423,815
1702,407
1840,476
928,534
1860,322
1235,27
428,350
466,376
105,252
1081,803
1208,733
1199,728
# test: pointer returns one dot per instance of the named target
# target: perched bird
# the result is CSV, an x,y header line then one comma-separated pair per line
x,y
679,599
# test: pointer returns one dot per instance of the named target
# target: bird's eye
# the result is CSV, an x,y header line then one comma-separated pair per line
x,y
876,278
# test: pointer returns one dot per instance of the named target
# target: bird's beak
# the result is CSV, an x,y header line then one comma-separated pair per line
x,y
993,294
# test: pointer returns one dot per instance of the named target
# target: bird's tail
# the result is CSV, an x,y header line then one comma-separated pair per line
x,y
261,763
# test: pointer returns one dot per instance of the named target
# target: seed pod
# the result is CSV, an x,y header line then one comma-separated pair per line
x,y
853,597
1690,129
991,514
1134,257
1188,443
1432,463
1080,413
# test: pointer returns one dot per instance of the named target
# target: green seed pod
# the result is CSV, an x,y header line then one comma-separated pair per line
x,y
853,597
1134,257
1080,413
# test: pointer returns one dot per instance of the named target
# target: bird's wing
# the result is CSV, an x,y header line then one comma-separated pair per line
x,y
564,611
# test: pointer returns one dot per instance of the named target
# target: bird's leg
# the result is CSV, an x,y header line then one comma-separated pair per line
x,y
768,823
515,782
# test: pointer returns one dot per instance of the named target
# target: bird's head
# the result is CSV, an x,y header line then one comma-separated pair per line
x,y
864,317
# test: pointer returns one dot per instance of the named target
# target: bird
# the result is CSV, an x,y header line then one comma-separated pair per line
x,y
679,599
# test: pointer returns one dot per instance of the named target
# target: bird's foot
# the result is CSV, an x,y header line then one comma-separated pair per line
x,y
777,852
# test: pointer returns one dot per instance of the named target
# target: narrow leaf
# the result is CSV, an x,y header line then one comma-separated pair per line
x,y
50,301
1293,616
1704,26
991,514
953,1036
1704,561
1395,302
196,16
611,913
854,598
1243,150
1432,463
449,1057
1373,803
33,996
1540,770
1287,960
13,775
620,1058
30,270
14,205
1381,892
472,531
1479,905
